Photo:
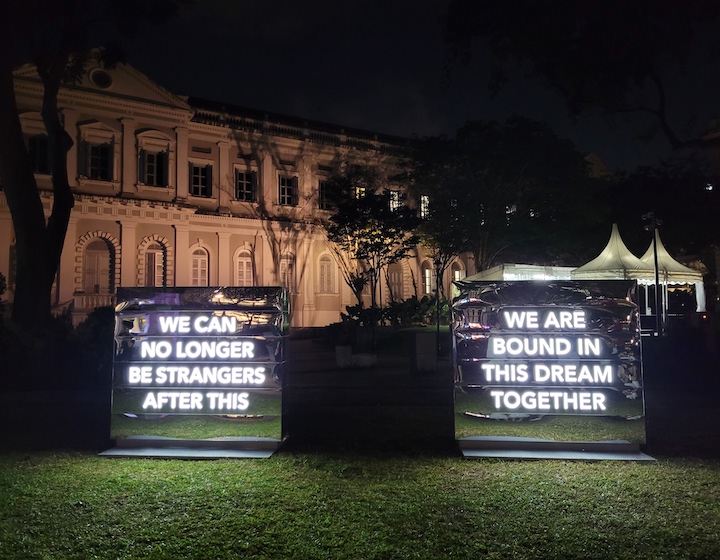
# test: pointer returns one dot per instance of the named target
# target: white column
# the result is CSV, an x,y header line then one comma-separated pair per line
x,y
129,260
182,258
181,187
224,278
306,284
224,182
268,180
128,178
307,196
700,297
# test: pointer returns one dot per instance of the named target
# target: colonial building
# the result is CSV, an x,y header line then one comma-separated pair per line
x,y
175,191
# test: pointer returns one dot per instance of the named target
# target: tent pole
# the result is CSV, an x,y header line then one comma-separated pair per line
x,y
654,223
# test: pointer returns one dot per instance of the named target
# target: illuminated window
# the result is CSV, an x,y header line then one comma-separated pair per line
x,y
199,268
96,268
287,191
244,269
201,180
458,272
360,192
326,276
287,273
155,266
39,151
428,277
245,185
153,168
424,206
395,200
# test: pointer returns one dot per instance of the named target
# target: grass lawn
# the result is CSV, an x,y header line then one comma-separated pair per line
x,y
373,505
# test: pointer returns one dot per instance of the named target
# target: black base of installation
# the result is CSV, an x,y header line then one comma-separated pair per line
x,y
157,447
533,448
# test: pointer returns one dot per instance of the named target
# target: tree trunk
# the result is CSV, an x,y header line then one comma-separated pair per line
x,y
31,302
63,200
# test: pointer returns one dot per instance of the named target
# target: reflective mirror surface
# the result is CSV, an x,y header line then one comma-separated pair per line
x,y
552,360
199,363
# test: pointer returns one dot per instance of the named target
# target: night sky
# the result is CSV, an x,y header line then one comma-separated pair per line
x,y
378,66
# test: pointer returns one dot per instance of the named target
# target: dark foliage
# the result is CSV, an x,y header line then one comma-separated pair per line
x,y
60,357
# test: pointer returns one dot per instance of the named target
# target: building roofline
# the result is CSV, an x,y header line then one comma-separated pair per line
x,y
199,104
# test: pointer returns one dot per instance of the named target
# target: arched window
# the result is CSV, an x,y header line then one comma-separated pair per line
x,y
155,266
326,275
244,269
458,272
395,283
199,265
287,272
428,277
96,268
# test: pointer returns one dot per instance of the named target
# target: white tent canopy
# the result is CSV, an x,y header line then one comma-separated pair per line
x,y
617,262
671,271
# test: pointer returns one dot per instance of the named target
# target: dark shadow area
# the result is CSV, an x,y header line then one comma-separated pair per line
x,y
682,386
387,409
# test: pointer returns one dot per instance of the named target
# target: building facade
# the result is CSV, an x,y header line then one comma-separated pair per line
x,y
174,191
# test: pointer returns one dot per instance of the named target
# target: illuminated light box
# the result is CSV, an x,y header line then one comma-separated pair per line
x,y
199,372
547,365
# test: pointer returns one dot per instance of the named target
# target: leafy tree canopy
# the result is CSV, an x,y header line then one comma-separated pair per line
x,y
681,193
616,55
509,192
365,226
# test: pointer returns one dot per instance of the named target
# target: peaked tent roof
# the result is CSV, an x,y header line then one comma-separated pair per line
x,y
614,262
670,270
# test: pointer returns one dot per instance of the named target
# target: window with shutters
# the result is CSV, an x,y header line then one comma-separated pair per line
x,y
428,277
199,266
326,275
96,161
96,268
287,272
153,168
156,159
244,269
155,266
323,198
245,185
98,152
201,179
288,190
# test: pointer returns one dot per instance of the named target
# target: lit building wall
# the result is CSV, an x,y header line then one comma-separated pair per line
x,y
176,192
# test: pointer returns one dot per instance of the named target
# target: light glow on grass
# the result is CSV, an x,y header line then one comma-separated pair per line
x,y
325,505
